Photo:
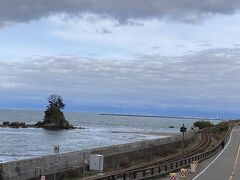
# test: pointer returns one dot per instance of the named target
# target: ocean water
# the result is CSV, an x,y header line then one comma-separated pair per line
x,y
100,130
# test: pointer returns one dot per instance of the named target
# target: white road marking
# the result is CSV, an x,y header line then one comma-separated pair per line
x,y
215,158
235,164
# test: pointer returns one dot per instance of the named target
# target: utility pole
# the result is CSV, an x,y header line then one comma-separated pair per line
x,y
183,130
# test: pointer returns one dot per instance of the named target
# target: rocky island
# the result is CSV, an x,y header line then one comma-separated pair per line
x,y
54,118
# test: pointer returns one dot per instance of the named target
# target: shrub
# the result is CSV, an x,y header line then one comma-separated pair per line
x,y
222,126
203,124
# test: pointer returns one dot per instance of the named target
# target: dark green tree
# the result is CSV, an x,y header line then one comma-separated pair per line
x,y
55,101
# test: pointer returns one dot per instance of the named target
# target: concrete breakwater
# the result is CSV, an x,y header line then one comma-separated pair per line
x,y
73,162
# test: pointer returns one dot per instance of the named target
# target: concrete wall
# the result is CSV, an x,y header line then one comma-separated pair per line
x,y
67,162
147,152
30,168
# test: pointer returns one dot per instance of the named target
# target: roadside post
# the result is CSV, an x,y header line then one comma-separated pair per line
x,y
183,173
38,172
193,167
173,176
183,130
56,151
85,163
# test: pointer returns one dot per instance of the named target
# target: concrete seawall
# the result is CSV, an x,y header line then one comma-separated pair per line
x,y
114,156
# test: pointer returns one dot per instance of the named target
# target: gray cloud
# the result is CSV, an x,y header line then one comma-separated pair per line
x,y
208,79
104,31
205,45
184,10
155,47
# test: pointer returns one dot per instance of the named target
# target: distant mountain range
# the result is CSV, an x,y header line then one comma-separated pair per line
x,y
156,116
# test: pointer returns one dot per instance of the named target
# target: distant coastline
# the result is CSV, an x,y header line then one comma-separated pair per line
x,y
156,116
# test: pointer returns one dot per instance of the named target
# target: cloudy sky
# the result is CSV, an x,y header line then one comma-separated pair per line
x,y
130,56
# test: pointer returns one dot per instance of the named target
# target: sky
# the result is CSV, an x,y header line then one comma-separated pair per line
x,y
152,57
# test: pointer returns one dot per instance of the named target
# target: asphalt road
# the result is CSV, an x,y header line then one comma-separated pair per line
x,y
223,166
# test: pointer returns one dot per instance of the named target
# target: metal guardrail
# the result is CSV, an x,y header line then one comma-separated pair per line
x,y
167,167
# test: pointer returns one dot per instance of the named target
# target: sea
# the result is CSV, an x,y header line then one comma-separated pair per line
x,y
99,130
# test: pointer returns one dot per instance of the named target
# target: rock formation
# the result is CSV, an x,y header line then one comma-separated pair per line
x,y
54,117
